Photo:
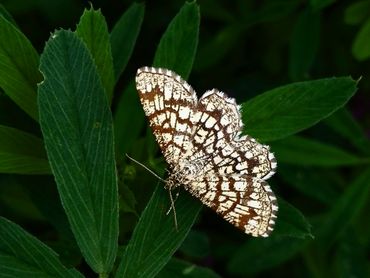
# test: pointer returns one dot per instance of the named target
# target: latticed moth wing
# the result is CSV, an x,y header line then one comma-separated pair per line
x,y
246,202
168,102
202,142
217,135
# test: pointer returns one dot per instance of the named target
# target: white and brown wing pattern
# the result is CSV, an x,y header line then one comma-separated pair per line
x,y
168,102
201,141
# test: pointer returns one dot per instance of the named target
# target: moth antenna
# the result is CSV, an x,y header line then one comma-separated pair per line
x,y
146,168
172,207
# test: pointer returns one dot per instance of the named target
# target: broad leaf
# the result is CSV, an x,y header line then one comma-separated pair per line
x,y
19,62
361,45
21,153
123,36
289,109
177,48
93,30
155,238
22,255
303,151
77,128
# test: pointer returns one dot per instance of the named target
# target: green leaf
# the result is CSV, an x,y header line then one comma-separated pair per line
x,y
128,120
361,44
123,36
19,62
180,268
304,44
292,108
93,30
21,153
291,222
344,124
155,238
44,195
178,45
357,12
268,11
321,4
345,209
195,245
315,183
350,257
302,151
14,198
258,254
7,15
218,47
77,128
22,255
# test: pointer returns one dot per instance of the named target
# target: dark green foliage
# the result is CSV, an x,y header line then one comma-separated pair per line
x,y
84,207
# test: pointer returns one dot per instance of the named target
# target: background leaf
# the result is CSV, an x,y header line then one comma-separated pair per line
x,y
77,128
22,255
177,48
291,222
289,109
344,124
124,34
360,47
304,44
126,130
357,12
298,150
7,15
123,38
21,152
256,254
19,73
93,30
316,183
345,209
